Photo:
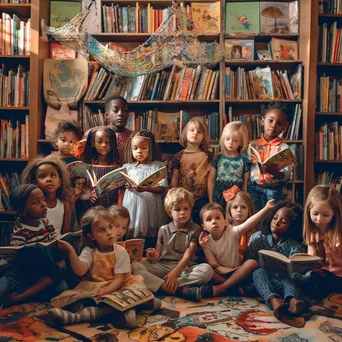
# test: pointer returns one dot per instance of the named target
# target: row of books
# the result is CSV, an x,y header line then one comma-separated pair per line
x,y
330,178
15,35
14,139
177,83
330,6
293,194
262,84
330,43
297,167
89,119
328,142
14,87
15,1
329,94
7,184
276,49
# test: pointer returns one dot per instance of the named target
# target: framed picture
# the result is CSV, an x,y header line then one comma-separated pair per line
x,y
61,12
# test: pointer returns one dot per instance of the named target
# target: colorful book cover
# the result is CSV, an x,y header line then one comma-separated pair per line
x,y
264,55
262,80
242,49
207,16
284,49
279,17
167,126
242,18
61,12
296,82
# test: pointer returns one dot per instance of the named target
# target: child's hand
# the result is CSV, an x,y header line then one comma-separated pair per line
x,y
93,197
139,188
253,159
14,299
270,204
151,254
100,293
204,240
64,246
171,282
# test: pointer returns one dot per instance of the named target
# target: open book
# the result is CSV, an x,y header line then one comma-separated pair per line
x,y
300,262
223,270
108,182
134,247
153,179
122,299
278,161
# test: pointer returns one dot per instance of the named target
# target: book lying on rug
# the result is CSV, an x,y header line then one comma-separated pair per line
x,y
300,262
275,162
108,182
122,299
134,247
223,270
153,179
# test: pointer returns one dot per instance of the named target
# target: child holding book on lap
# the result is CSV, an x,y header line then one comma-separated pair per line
x,y
220,242
266,183
191,165
231,168
170,266
105,267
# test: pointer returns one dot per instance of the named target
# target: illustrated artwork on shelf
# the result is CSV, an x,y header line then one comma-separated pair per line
x,y
284,49
207,16
239,49
61,12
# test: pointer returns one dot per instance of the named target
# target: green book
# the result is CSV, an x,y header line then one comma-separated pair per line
x,y
61,12
242,18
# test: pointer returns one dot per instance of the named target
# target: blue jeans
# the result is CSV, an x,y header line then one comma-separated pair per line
x,y
261,195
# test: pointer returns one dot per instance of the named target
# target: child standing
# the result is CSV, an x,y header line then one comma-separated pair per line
x,y
144,203
232,166
102,154
220,242
265,183
121,219
67,134
323,236
106,268
171,265
51,176
281,234
191,165
34,274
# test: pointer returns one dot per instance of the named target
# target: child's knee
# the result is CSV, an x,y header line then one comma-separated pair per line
x,y
251,264
207,272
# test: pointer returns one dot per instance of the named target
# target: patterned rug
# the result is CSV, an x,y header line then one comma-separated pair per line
x,y
216,320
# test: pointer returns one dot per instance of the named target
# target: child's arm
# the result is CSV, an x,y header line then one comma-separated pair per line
x,y
116,284
121,192
66,218
204,243
245,181
211,183
149,188
153,254
255,219
175,178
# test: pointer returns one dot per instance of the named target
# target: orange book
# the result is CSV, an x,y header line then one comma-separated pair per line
x,y
185,84
22,141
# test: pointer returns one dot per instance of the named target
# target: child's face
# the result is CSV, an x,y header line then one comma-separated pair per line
x,y
321,214
66,142
118,113
281,222
35,207
80,183
47,178
102,143
194,135
103,233
181,214
214,222
140,149
274,123
120,227
232,141
239,211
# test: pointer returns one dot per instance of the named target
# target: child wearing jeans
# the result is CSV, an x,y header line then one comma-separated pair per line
x,y
171,265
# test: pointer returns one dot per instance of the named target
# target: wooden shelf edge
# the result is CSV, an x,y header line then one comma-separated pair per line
x,y
262,101
329,64
15,5
14,159
159,102
7,212
328,113
257,62
15,56
328,161
14,108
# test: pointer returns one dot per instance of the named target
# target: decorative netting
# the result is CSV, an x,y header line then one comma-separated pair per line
x,y
178,37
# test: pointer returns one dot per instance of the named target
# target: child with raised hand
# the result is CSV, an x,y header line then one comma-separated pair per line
x,y
220,243
282,233
191,166
121,219
105,267
34,275
67,134
101,153
144,203
232,166
51,176
265,183
171,266
323,236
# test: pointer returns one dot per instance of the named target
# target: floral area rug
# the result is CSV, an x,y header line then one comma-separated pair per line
x,y
216,320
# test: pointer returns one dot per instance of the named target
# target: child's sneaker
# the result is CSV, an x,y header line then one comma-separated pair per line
x,y
189,292
131,319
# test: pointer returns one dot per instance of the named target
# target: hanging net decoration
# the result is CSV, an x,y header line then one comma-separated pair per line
x,y
178,37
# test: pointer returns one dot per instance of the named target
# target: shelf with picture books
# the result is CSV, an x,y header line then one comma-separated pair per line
x,y
8,181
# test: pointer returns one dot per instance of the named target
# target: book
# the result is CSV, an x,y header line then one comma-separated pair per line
x,y
263,55
284,49
108,182
61,12
134,247
299,262
167,126
60,51
122,299
278,161
153,179
262,83
242,49
206,16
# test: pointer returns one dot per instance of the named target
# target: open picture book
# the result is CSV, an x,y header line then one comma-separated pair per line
x,y
300,262
277,161
108,182
153,179
134,247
